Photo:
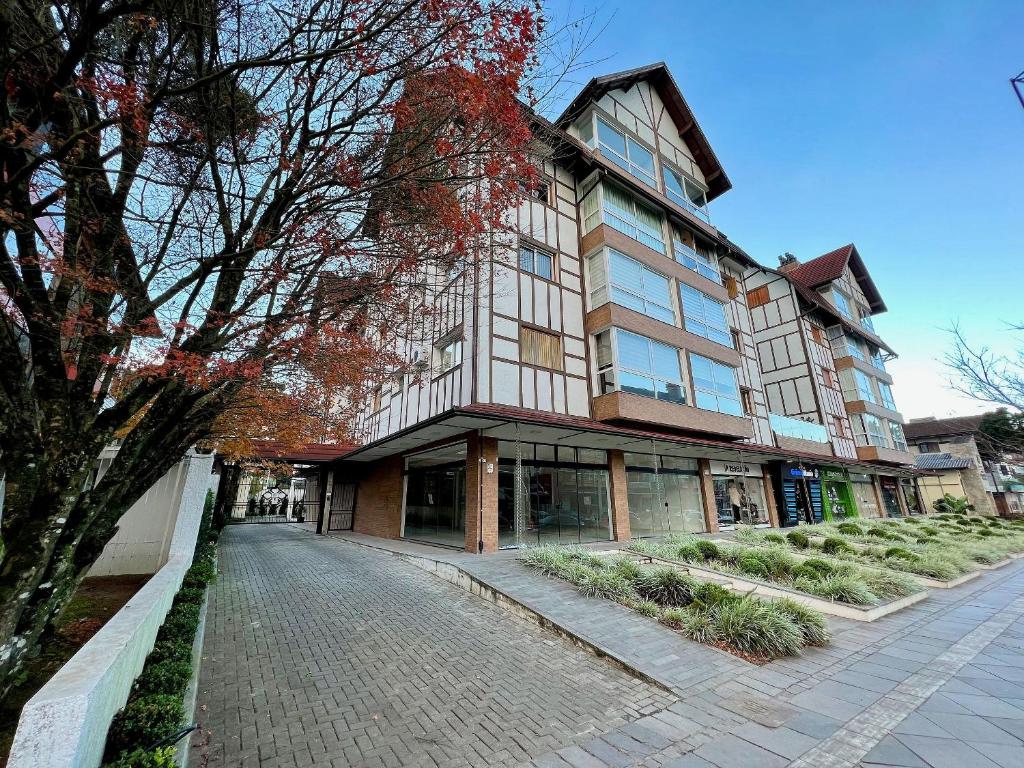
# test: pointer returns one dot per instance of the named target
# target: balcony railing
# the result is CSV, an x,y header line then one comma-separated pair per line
x,y
786,426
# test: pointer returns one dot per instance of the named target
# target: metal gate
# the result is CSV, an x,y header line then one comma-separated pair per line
x,y
343,505
262,498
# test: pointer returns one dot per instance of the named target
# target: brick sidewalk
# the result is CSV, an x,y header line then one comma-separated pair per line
x,y
320,652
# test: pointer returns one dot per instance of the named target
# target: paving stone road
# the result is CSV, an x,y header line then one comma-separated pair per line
x,y
320,652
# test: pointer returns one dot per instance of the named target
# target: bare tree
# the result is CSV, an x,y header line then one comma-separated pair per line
x,y
985,375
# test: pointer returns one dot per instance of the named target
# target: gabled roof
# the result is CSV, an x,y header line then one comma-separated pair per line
x,y
940,461
955,425
830,266
659,76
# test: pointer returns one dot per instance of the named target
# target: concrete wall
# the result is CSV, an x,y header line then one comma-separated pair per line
x,y
65,724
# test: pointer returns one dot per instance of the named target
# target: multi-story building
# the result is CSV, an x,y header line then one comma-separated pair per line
x,y
947,450
597,376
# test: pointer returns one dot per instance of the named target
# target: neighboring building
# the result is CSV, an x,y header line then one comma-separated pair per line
x,y
823,365
993,487
598,378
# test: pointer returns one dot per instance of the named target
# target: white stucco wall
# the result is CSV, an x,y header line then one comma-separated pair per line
x,y
65,724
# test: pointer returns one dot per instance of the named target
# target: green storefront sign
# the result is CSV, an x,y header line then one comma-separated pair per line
x,y
837,496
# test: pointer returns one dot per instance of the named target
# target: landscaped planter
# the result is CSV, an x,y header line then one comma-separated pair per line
x,y
748,585
925,581
935,582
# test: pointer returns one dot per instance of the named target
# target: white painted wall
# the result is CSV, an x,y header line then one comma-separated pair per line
x,y
65,724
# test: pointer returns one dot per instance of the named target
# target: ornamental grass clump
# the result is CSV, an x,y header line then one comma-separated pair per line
x,y
833,545
812,624
700,626
850,529
890,584
548,560
798,539
840,588
665,586
605,584
759,628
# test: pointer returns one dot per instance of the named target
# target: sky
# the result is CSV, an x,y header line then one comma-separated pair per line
x,y
889,125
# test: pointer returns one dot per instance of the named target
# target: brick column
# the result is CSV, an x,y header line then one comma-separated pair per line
x,y
619,495
481,493
707,488
769,498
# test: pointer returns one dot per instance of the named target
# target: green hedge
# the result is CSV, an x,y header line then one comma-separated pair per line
x,y
155,708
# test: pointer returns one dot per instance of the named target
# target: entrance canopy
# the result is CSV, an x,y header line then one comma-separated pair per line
x,y
507,423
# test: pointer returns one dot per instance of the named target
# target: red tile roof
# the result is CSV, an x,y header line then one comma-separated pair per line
x,y
823,269
310,453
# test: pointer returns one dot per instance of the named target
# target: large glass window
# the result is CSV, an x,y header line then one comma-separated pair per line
x,y
714,386
631,284
857,386
687,193
865,319
869,430
632,218
699,261
449,354
739,499
842,304
886,392
704,315
435,504
864,495
899,442
630,155
564,492
642,367
664,495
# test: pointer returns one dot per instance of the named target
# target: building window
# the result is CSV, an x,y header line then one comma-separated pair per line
x,y
842,304
899,442
540,348
686,193
876,358
747,398
630,155
886,392
840,426
857,385
844,345
641,366
714,386
623,212
449,354
538,262
817,335
928,447
704,315
829,378
737,340
865,319
630,284
700,261
869,430
375,406
758,297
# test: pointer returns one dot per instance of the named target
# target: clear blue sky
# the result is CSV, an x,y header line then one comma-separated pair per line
x,y
891,125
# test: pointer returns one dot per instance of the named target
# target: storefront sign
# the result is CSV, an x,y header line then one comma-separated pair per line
x,y
735,468
833,475
798,471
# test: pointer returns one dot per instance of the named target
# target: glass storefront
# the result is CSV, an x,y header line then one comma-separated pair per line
x,y
837,494
435,504
910,497
864,495
800,495
739,494
664,495
565,494
890,496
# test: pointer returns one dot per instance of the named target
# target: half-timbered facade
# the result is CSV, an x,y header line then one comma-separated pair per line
x,y
599,372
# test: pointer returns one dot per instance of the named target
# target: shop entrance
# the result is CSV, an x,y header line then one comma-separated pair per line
x,y
890,496
739,494
801,495
664,495
435,496
838,496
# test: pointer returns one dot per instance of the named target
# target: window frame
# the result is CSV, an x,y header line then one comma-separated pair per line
x,y
701,327
558,351
628,222
644,297
614,367
718,396
704,264
864,437
899,438
535,251
625,161
844,307
455,344
683,200
754,295
885,395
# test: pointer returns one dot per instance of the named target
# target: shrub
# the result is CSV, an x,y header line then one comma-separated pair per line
x,y
840,587
145,720
778,562
688,553
802,571
170,650
674,617
812,624
627,568
575,573
929,530
548,560
585,558
753,626
882,533
182,622
190,596
833,545
751,565
647,608
985,532
927,540
901,553
700,626
170,676
774,538
821,567
140,758
200,574
665,586
709,595
798,539
604,584
912,520
850,529
708,549
889,584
